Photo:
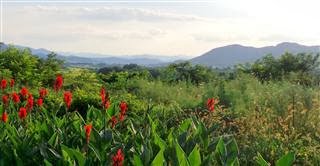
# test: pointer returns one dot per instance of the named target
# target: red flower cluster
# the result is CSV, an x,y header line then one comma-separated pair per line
x,y
5,100
3,84
67,96
58,83
11,83
24,92
4,117
104,98
117,160
88,132
40,102
15,97
103,95
43,92
29,102
211,103
22,113
113,121
123,109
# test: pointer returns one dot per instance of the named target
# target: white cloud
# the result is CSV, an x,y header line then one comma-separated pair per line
x,y
111,13
113,33
169,30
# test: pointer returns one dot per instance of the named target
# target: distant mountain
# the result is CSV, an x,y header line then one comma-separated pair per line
x,y
231,55
85,59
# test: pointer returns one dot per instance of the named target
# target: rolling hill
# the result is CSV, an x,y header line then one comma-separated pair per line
x,y
231,55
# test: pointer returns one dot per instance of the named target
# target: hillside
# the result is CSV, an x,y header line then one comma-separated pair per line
x,y
235,54
87,59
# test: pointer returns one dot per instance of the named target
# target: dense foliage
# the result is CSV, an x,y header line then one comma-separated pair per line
x,y
175,115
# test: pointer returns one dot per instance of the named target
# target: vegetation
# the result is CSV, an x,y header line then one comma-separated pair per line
x,y
175,115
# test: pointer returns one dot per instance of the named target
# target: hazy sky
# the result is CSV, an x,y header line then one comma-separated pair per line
x,y
158,27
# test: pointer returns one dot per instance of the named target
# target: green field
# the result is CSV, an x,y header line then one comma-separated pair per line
x,y
262,113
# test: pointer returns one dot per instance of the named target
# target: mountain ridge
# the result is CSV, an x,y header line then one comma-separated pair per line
x,y
98,59
230,55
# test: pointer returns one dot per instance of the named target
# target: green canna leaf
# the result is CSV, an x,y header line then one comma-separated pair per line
x,y
260,160
137,161
195,157
286,160
181,156
159,159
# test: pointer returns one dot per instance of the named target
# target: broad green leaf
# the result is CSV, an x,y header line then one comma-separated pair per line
x,y
286,160
158,160
79,156
185,125
52,139
232,152
194,157
181,156
260,160
72,153
221,151
137,161
47,163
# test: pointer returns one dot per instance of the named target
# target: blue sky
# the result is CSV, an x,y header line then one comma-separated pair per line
x,y
162,28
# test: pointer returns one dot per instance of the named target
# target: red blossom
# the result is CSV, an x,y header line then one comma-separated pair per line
x,y
43,92
22,113
104,98
113,121
4,117
103,95
211,103
58,83
40,102
15,97
11,83
117,160
121,117
24,91
107,104
30,102
3,84
67,96
123,107
5,99
88,131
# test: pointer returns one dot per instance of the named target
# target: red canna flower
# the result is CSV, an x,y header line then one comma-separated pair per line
x,y
88,131
3,84
123,107
58,83
5,100
40,102
30,102
113,121
22,113
15,97
24,91
4,117
121,117
117,160
211,103
67,98
107,104
43,92
11,83
103,95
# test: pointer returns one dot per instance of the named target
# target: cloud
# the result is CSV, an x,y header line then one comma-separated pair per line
x,y
111,13
114,34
